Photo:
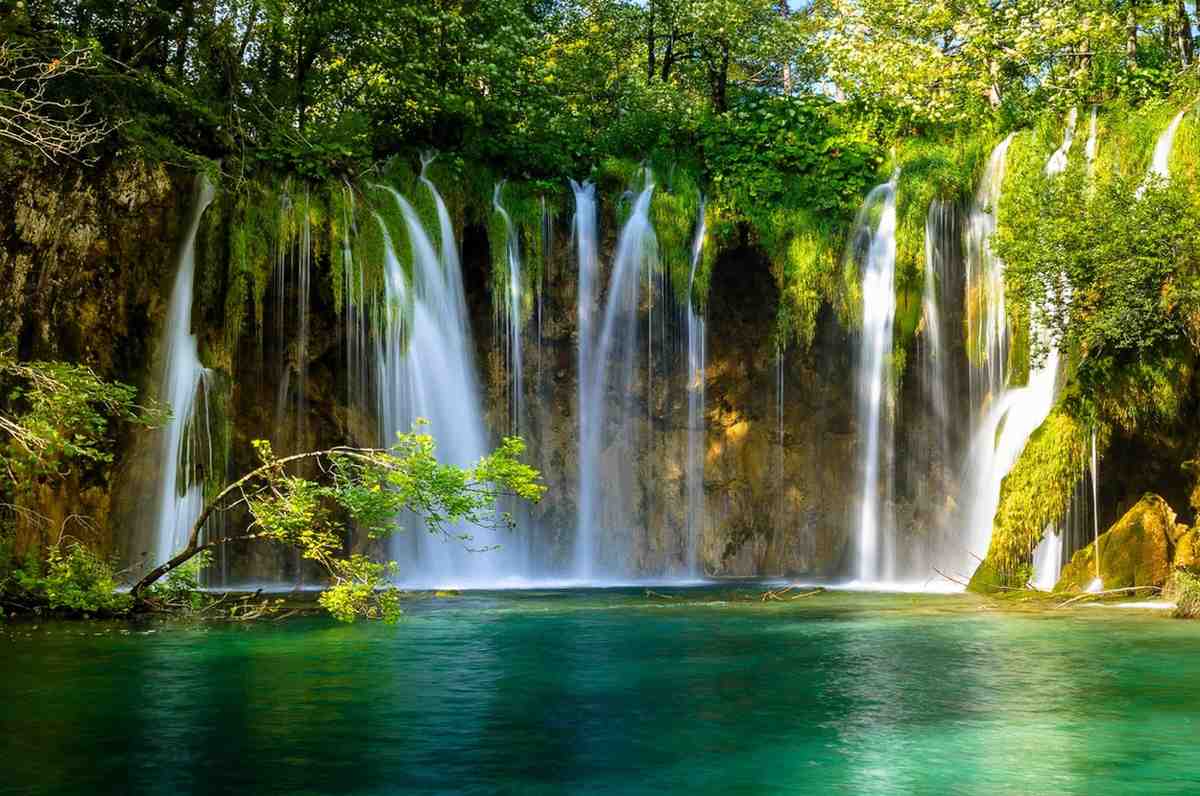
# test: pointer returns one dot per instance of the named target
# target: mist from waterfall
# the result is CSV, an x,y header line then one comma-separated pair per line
x,y
183,385
873,248
608,375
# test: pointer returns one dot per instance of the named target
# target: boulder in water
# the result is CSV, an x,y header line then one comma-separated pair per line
x,y
1138,550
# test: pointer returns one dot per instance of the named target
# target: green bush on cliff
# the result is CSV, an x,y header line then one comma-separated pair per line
x,y
54,415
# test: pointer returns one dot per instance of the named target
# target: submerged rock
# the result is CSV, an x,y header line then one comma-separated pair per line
x,y
1138,550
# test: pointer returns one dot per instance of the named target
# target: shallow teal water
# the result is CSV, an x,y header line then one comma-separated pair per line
x,y
607,692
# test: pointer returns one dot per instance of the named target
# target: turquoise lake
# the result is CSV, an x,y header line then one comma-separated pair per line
x,y
612,691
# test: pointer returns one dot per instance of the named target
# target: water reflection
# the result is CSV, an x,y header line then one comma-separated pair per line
x,y
614,692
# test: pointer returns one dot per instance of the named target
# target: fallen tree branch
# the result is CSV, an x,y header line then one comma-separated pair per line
x,y
1093,594
962,583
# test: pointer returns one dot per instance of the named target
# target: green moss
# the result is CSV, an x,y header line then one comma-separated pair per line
x,y
1135,551
674,211
1038,489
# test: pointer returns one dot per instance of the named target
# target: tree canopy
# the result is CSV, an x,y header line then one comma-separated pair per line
x,y
552,86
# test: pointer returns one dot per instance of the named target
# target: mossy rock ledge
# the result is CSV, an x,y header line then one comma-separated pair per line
x,y
1140,549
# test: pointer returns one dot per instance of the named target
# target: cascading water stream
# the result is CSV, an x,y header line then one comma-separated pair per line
x,y
873,247
425,369
1058,161
292,282
1007,414
1160,164
608,439
696,424
178,498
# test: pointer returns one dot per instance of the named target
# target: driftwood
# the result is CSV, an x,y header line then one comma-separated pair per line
x,y
1127,589
778,594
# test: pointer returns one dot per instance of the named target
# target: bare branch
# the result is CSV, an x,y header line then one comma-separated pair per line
x,y
31,115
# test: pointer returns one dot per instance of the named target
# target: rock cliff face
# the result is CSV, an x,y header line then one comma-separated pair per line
x,y
773,503
86,266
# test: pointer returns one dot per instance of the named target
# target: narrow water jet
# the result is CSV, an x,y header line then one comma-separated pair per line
x,y
696,422
587,256
179,499
873,249
1058,161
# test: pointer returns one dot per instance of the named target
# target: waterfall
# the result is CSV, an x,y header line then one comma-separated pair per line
x,y
1098,583
1047,560
355,302
510,310
939,227
696,425
873,246
1058,161
1006,415
425,368
588,258
292,282
1160,165
179,499
608,442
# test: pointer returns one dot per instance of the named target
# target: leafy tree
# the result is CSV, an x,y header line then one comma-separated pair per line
x,y
1108,271
54,415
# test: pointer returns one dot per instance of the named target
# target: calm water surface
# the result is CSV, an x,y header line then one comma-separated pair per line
x,y
612,691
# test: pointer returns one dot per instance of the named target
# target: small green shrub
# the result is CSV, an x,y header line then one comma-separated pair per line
x,y
1184,587
78,580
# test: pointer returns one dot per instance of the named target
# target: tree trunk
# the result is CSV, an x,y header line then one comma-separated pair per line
x,y
668,56
995,97
720,81
1131,32
182,37
195,545
785,12
650,42
1184,33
